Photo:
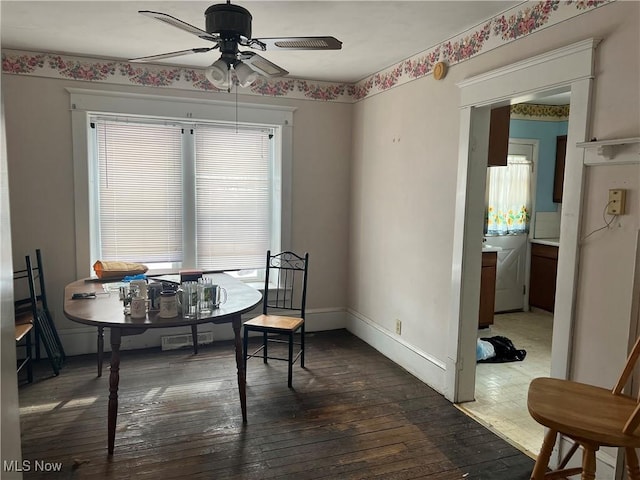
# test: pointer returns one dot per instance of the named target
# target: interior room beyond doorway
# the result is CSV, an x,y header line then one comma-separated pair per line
x,y
501,388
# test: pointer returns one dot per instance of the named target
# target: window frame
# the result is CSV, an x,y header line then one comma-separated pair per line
x,y
84,103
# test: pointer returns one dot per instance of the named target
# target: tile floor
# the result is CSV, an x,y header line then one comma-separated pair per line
x,y
501,388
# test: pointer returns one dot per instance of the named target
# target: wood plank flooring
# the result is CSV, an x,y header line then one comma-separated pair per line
x,y
352,414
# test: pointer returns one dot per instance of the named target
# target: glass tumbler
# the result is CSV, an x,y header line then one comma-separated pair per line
x,y
206,296
189,299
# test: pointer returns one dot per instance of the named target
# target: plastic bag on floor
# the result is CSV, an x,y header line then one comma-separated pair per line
x,y
504,350
484,350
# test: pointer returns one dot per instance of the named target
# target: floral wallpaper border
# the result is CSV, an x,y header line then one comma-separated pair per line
x,y
549,113
524,19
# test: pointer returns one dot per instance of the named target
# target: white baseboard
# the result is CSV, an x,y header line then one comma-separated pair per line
x,y
83,340
423,366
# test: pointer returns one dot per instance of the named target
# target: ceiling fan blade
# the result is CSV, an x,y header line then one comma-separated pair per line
x,y
299,43
152,58
262,65
176,22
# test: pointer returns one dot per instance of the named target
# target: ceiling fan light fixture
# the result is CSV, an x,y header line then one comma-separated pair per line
x,y
245,74
218,73
228,27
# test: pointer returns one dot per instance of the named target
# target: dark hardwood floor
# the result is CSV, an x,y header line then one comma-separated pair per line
x,y
353,414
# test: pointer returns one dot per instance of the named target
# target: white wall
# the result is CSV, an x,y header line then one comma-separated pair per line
x,y
403,192
41,187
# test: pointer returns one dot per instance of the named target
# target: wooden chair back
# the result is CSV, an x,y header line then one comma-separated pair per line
x,y
632,360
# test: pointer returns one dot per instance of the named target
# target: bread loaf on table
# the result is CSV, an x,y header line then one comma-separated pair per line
x,y
115,269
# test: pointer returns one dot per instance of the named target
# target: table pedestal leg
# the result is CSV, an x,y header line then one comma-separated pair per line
x,y
114,380
242,381
194,337
100,349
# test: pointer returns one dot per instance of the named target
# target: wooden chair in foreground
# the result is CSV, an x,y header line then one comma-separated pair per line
x,y
285,290
591,416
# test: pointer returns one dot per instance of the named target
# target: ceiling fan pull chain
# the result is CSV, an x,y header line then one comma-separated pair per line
x,y
236,106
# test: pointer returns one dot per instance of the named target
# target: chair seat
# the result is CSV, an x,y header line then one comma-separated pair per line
x,y
24,318
22,330
276,323
583,412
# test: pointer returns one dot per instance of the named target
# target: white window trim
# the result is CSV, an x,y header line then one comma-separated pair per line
x,y
84,102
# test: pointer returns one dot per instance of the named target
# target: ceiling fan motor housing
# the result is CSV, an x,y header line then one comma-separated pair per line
x,y
229,21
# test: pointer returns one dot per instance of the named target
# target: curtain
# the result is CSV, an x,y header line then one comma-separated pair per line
x,y
509,197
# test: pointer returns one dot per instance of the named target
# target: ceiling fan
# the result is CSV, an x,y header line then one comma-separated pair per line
x,y
228,27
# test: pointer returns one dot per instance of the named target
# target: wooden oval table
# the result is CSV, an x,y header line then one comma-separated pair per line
x,y
106,311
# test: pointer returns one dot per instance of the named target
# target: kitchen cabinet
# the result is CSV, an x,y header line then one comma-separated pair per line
x,y
542,283
558,178
487,289
499,136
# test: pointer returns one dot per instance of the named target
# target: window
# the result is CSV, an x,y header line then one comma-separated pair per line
x,y
509,196
163,114
171,194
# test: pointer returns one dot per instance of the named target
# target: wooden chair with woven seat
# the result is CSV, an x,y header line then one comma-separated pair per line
x,y
591,416
23,328
285,290
25,311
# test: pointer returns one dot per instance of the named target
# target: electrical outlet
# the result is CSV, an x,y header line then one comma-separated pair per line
x,y
398,326
616,201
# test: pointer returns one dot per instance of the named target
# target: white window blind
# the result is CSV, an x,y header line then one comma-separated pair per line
x,y
233,196
183,194
140,191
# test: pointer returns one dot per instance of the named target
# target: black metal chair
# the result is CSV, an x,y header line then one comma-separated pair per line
x,y
42,297
46,332
285,290
34,309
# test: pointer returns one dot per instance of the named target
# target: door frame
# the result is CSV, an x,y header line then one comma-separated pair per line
x,y
566,69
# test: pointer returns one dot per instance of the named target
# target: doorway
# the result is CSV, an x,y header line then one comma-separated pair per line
x,y
501,388
512,267
566,69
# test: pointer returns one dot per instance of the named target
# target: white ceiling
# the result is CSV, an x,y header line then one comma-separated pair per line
x,y
375,34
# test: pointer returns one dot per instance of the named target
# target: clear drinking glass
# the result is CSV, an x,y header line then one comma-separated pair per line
x,y
189,299
206,296
125,296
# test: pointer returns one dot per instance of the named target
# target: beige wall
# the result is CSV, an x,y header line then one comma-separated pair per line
x,y
404,169
42,197
404,181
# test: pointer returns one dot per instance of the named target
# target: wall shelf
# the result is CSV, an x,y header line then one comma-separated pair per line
x,y
611,152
